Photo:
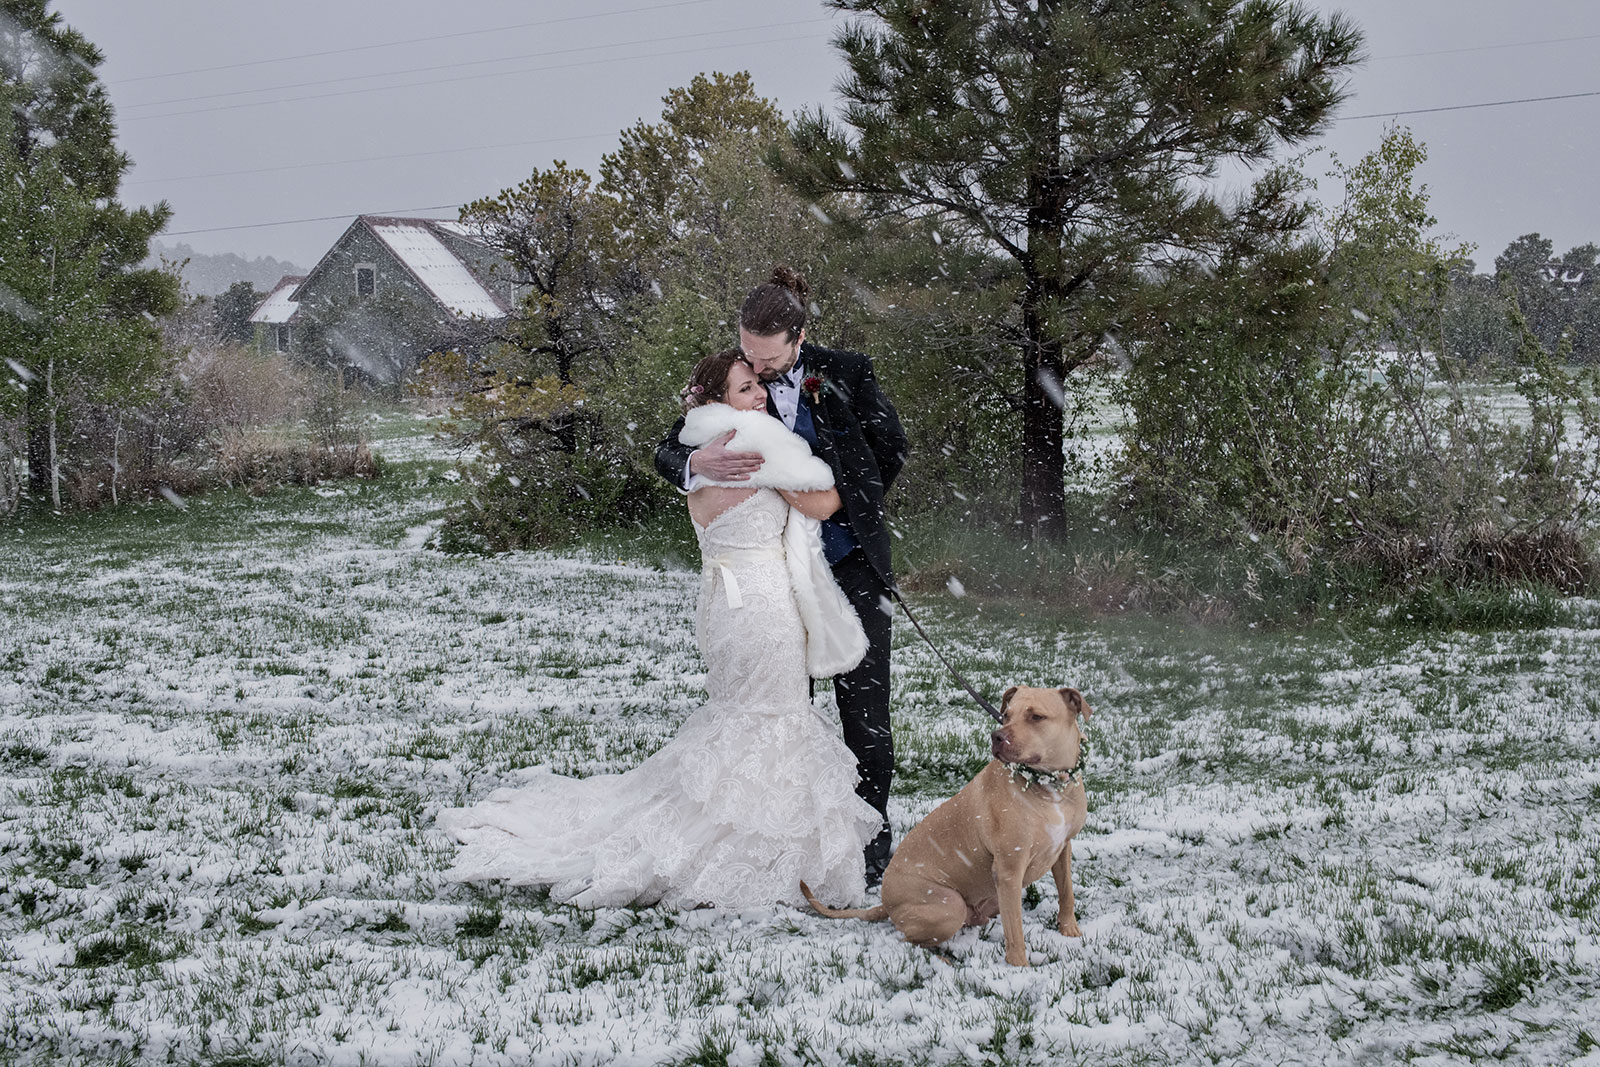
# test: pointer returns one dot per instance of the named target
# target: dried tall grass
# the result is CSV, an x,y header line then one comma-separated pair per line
x,y
259,460
237,389
233,417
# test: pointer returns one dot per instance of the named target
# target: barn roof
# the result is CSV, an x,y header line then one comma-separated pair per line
x,y
460,229
434,265
277,308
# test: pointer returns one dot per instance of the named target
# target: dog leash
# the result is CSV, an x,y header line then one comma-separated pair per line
x,y
973,693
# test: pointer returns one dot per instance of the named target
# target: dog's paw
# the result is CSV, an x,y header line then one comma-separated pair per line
x,y
1017,957
1069,928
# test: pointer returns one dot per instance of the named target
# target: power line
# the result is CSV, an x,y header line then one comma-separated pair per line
x,y
1490,47
467,77
519,144
412,40
367,159
1468,107
471,63
595,136
669,4
319,218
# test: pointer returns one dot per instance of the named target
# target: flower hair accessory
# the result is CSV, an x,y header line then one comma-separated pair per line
x,y
697,389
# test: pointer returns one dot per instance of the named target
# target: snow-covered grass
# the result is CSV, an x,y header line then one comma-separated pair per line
x,y
225,732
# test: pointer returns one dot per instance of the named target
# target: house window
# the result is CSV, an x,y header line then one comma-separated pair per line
x,y
283,337
366,280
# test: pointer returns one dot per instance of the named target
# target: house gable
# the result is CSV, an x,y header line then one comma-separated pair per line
x,y
440,266
334,279
391,290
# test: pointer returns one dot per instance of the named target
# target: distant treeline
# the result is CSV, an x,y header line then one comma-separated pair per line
x,y
212,275
1556,295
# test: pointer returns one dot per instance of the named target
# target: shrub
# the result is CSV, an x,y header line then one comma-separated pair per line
x,y
543,468
117,454
259,460
557,483
237,389
229,418
1297,400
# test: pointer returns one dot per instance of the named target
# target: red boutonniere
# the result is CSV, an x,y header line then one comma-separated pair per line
x,y
813,385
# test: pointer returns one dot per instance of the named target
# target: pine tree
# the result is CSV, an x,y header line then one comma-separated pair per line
x,y
701,218
1076,138
556,235
75,313
1524,272
232,312
658,174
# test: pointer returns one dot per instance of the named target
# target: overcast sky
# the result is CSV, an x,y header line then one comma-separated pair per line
x,y
244,115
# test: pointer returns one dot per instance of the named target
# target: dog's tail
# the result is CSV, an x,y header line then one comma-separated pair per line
x,y
879,912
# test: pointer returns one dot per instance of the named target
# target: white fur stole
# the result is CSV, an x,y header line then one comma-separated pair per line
x,y
787,462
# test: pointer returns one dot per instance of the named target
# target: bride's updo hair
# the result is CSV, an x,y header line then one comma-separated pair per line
x,y
708,382
777,305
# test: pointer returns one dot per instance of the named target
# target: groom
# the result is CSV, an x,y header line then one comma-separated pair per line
x,y
831,399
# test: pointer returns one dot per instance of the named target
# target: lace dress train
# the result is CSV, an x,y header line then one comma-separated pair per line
x,y
753,794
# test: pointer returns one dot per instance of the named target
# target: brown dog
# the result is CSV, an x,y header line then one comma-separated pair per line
x,y
975,853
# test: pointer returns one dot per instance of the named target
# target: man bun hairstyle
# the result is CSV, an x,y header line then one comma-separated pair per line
x,y
778,305
708,382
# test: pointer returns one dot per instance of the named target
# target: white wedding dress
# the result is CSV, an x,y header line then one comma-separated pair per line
x,y
755,792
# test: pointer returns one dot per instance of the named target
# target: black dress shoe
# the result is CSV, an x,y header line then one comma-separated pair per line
x,y
877,857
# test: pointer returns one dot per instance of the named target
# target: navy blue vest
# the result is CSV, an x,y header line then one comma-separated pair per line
x,y
837,540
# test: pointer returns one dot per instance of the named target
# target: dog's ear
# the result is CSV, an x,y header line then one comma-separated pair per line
x,y
1075,702
1005,698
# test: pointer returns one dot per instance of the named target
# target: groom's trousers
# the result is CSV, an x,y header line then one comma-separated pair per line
x,y
863,696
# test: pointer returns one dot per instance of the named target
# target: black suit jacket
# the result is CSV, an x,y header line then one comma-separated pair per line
x,y
858,435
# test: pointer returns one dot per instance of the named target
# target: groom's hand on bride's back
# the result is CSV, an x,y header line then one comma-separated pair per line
x,y
716,462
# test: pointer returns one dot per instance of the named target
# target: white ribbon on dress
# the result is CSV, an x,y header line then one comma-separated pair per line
x,y
724,563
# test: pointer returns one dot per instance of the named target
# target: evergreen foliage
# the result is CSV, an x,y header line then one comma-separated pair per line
x,y
1297,405
1074,138
1557,296
664,175
233,309
557,236
629,283
75,326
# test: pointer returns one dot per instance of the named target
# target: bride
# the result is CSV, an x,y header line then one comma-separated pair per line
x,y
757,790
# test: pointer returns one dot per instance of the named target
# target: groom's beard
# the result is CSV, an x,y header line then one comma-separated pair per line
x,y
767,377
772,374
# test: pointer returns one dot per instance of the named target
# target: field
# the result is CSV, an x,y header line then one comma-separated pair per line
x,y
226,729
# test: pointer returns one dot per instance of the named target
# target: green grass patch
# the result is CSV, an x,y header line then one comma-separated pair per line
x,y
1437,606
482,920
22,754
130,948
